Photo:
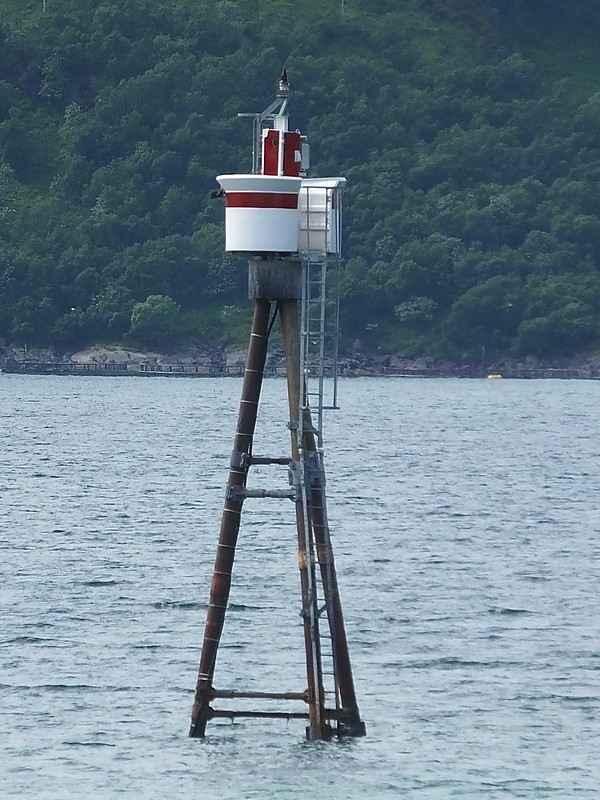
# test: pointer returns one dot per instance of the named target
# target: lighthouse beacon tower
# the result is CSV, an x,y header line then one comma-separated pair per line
x,y
289,227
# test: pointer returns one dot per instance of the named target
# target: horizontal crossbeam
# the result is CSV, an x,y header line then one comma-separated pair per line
x,y
284,460
224,713
228,713
240,493
235,694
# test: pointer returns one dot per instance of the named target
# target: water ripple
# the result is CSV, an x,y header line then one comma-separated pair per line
x,y
465,519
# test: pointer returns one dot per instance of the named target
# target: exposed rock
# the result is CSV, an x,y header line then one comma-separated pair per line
x,y
112,355
236,358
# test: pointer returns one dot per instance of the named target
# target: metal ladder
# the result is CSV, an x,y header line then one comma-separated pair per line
x,y
314,323
318,336
312,343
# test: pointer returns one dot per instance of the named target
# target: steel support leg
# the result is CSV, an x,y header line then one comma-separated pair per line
x,y
350,723
318,727
230,524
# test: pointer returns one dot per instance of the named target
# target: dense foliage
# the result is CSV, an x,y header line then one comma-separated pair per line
x,y
471,210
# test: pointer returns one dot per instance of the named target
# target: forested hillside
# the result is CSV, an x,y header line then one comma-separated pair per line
x,y
469,136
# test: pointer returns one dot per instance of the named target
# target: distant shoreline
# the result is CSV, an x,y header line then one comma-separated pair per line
x,y
237,371
209,361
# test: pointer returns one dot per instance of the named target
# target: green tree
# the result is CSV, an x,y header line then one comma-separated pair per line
x,y
487,315
155,322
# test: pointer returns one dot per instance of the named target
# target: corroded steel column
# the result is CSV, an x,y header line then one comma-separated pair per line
x,y
232,511
350,723
318,727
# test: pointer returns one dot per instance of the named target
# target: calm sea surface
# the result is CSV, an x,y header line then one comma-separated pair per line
x,y
465,517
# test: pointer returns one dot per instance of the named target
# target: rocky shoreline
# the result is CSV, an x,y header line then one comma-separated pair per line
x,y
212,361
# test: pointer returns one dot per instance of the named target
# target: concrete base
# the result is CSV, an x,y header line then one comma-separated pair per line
x,y
275,279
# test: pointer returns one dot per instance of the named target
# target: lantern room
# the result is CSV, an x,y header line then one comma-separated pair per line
x,y
276,210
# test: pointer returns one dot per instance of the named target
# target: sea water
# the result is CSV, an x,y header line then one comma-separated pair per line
x,y
466,526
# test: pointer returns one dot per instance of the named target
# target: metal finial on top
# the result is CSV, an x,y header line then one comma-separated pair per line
x,y
283,87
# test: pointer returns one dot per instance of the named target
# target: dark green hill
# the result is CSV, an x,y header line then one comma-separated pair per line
x,y
469,133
